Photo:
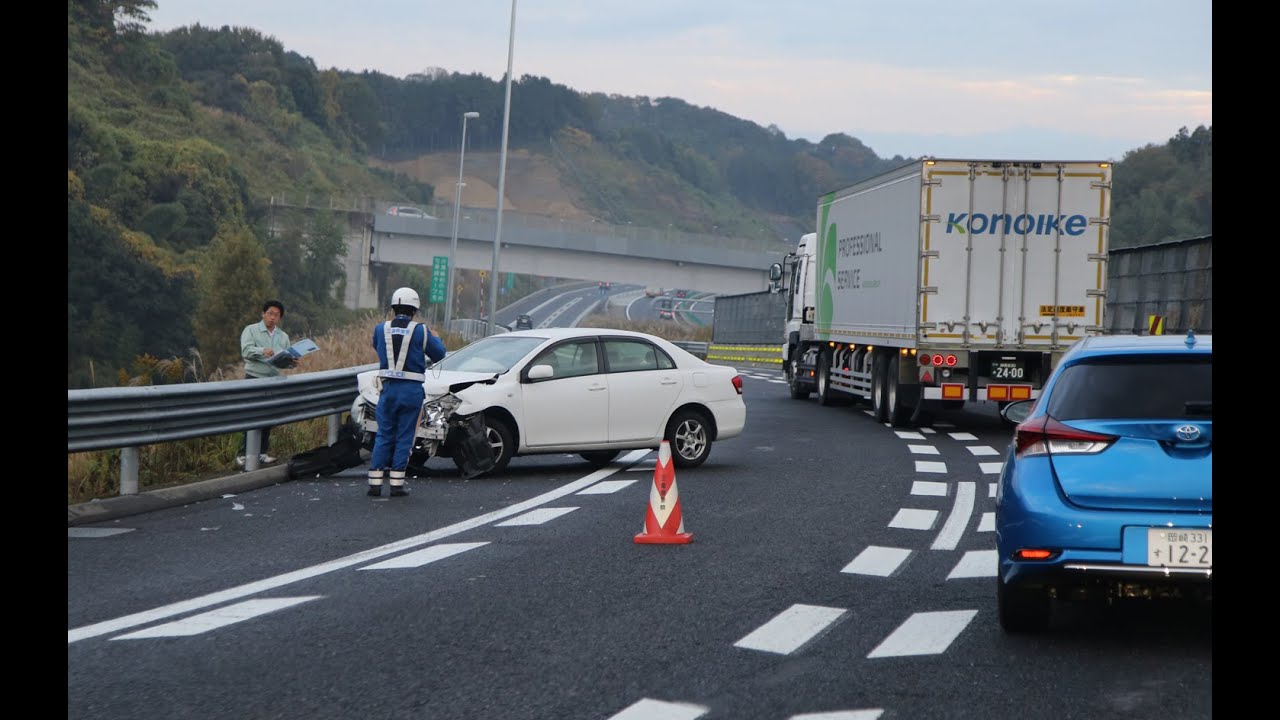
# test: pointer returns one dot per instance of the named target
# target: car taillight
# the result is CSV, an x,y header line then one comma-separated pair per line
x,y
737,383
1046,436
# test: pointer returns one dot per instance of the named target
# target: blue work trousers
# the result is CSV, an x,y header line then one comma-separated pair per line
x,y
399,406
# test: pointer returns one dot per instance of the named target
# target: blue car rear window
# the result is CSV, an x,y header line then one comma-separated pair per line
x,y
1135,387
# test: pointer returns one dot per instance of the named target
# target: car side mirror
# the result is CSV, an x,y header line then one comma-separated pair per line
x,y
775,272
541,372
1017,411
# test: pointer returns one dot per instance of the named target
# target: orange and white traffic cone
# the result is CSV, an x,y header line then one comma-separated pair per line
x,y
663,521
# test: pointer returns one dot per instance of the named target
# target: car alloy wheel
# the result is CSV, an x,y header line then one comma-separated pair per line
x,y
689,438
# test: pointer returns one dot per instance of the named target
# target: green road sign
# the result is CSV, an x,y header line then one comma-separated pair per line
x,y
439,278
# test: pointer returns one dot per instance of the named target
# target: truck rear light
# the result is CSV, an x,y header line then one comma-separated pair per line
x,y
951,360
952,391
937,360
737,383
1046,436
924,359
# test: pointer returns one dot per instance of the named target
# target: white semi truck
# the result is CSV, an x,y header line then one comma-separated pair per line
x,y
946,281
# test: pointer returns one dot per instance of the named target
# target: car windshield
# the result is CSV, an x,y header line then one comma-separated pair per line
x,y
493,354
1135,387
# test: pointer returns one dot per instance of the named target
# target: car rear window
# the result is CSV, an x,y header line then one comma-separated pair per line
x,y
1135,387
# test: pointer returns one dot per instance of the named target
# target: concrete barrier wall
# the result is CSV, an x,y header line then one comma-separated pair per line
x,y
1171,279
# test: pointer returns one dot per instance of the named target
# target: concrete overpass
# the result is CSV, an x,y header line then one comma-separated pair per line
x,y
539,245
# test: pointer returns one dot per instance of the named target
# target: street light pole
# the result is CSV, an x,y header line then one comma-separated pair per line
x,y
502,179
457,203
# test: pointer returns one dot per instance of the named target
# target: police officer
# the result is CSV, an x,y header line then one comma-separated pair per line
x,y
403,346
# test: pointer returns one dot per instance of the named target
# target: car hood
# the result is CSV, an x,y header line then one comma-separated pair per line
x,y
1148,468
437,382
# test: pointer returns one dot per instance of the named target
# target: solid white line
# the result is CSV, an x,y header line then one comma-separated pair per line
x,y
982,450
647,709
962,436
216,598
924,634
987,523
871,714
791,629
878,561
606,487
923,449
975,564
214,619
418,558
908,435
958,520
930,466
991,468
912,519
77,532
925,487
537,517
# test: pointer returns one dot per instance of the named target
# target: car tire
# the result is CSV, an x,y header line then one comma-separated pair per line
x,y
502,440
599,458
897,410
1022,610
689,436
825,396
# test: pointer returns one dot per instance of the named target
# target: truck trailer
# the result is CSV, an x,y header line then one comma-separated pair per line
x,y
946,281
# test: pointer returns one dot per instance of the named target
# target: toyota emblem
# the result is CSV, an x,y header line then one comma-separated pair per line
x,y
1187,433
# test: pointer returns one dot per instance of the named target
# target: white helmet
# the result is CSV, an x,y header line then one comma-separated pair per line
x,y
405,296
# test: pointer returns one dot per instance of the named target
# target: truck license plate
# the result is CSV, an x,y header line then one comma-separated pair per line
x,y
1007,370
1179,547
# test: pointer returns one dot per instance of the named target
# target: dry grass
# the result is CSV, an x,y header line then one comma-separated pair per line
x,y
96,474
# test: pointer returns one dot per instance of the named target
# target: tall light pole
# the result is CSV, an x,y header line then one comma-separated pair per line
x,y
457,203
502,179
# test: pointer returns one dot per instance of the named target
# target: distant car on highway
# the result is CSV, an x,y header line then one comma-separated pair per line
x,y
654,292
590,391
408,211
1107,487
524,322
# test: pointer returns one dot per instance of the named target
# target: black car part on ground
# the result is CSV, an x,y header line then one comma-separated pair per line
x,y
329,459
468,443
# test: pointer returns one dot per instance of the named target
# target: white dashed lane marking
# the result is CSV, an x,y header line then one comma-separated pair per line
x,y
987,523
930,466
792,629
418,558
975,564
537,517
958,520
872,714
991,468
214,619
928,431
606,486
878,561
962,436
927,633
647,709
923,449
982,450
908,435
925,487
95,532
991,489
914,519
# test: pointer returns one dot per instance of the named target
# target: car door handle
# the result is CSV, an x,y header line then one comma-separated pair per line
x,y
670,382
594,388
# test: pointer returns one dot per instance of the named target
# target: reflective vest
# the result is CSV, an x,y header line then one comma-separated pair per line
x,y
396,359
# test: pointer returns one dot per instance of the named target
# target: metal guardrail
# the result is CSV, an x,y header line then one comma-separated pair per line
x,y
126,418
698,349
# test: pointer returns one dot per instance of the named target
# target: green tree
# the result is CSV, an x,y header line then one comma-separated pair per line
x,y
235,279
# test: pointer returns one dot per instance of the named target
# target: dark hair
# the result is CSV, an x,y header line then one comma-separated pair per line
x,y
273,304
404,310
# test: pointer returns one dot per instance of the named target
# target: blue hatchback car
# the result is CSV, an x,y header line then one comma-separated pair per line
x,y
1107,487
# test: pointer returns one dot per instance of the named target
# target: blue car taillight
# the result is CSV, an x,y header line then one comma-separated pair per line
x,y
1046,436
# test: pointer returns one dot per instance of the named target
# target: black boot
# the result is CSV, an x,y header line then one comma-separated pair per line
x,y
397,484
399,491
375,491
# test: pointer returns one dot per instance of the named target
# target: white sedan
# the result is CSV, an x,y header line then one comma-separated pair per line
x,y
590,391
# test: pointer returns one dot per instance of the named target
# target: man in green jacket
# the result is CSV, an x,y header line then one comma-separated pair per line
x,y
258,342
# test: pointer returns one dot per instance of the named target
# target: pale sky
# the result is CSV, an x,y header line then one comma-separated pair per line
x,y
1010,79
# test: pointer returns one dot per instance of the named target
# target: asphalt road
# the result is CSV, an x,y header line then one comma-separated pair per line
x,y
840,569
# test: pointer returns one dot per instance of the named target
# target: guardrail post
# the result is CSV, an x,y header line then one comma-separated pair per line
x,y
129,471
333,427
252,448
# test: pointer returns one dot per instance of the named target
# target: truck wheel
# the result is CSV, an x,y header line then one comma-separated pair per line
x,y
798,390
824,380
879,403
898,411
